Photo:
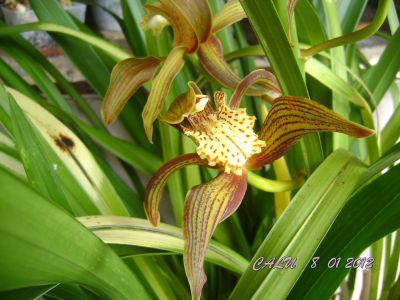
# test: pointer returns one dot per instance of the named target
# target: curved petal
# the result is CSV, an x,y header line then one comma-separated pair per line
x,y
197,14
126,78
185,104
191,21
212,60
292,117
157,183
207,205
290,9
229,14
160,88
262,77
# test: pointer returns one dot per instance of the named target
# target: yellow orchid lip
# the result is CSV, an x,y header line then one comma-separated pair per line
x,y
224,137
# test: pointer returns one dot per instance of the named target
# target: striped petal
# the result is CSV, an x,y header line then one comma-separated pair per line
x,y
229,14
160,88
157,183
207,205
290,7
212,60
126,78
292,117
191,21
262,77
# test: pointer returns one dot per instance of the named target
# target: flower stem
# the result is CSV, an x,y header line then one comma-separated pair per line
x,y
367,31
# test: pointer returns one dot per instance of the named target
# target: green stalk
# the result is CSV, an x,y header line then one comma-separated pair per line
x,y
377,252
112,50
369,30
339,104
273,186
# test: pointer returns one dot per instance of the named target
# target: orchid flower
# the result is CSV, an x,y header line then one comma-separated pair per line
x,y
193,26
226,141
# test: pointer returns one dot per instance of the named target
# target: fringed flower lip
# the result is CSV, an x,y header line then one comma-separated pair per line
x,y
194,27
226,141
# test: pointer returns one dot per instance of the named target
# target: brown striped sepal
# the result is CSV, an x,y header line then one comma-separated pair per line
x,y
229,14
207,205
160,88
127,77
191,21
157,183
291,4
292,117
263,77
212,60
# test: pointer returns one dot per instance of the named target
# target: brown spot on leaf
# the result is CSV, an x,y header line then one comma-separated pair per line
x,y
64,142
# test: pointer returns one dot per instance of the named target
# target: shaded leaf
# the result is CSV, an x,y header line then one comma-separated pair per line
x,y
42,238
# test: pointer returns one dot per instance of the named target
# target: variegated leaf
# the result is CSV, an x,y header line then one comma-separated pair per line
x,y
126,78
160,88
157,183
292,117
207,205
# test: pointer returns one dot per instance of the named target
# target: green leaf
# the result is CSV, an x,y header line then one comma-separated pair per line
x,y
135,155
40,237
140,233
345,239
300,228
379,77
